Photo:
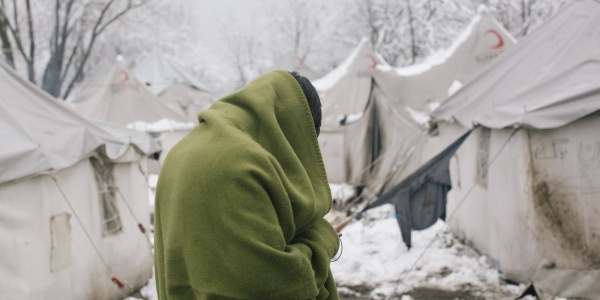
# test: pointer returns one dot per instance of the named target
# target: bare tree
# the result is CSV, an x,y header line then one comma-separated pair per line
x,y
381,20
414,50
521,17
405,32
243,51
5,40
72,36
296,25
27,52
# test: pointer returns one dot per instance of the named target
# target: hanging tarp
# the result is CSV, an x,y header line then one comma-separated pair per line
x,y
420,199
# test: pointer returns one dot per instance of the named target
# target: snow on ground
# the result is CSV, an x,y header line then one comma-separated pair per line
x,y
375,264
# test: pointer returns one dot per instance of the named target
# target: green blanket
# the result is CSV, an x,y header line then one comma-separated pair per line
x,y
240,202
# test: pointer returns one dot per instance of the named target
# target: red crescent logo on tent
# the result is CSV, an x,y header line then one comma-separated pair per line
x,y
373,61
495,33
125,75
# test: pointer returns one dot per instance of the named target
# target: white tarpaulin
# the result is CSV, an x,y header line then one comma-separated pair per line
x,y
63,178
429,82
168,80
41,134
345,94
158,73
526,185
116,96
371,135
543,82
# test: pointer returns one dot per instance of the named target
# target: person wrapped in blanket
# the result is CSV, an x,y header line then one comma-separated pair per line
x,y
241,200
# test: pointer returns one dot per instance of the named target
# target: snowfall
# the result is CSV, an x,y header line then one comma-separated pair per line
x,y
374,263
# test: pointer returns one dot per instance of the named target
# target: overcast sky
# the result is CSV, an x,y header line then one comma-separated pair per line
x,y
212,15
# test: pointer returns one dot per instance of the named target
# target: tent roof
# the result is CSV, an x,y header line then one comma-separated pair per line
x,y
118,97
547,80
421,85
345,90
41,134
361,58
158,73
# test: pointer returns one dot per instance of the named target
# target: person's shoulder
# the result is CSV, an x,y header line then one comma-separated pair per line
x,y
226,152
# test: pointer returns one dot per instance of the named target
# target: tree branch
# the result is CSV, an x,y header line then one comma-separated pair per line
x,y
98,28
30,65
14,30
129,7
6,44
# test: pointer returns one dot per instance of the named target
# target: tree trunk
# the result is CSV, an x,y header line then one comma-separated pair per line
x,y
413,45
31,60
51,81
6,44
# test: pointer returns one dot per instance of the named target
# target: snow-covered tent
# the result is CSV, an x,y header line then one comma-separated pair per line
x,y
344,95
430,82
168,80
72,200
526,184
114,95
370,136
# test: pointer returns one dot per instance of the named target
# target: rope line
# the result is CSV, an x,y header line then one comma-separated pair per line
x,y
120,283
55,179
140,224
437,234
146,176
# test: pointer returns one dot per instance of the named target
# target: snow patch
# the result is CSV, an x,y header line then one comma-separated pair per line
x,y
162,125
374,255
454,87
341,192
433,106
419,117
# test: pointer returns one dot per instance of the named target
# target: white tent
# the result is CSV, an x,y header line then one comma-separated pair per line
x,y
345,93
526,185
370,136
429,82
72,198
168,80
114,95
291,62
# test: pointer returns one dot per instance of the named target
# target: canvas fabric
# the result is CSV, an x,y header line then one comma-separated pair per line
x,y
41,134
543,82
116,96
